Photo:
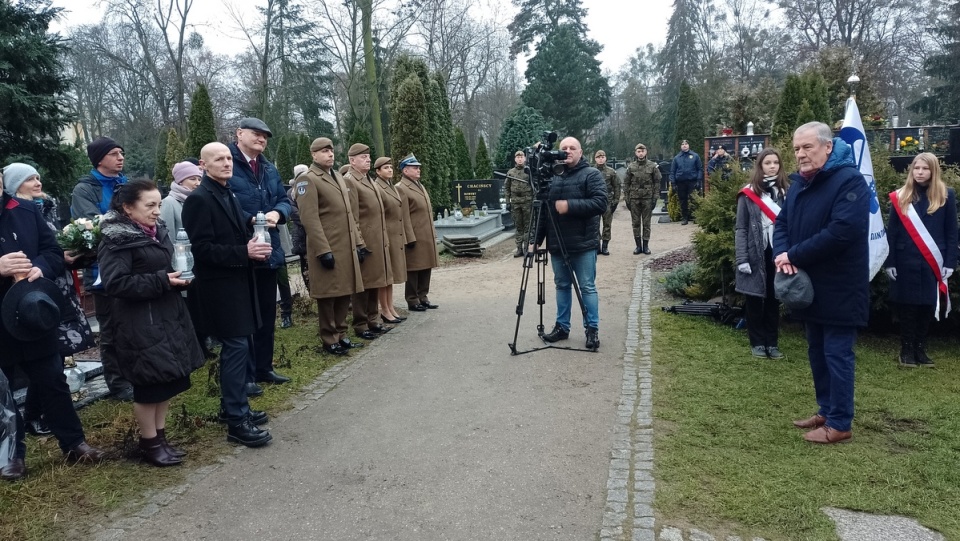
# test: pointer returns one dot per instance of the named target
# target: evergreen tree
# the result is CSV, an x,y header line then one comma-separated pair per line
x,y
943,100
176,153
464,167
805,113
564,82
689,118
201,128
484,166
522,129
818,96
439,137
809,89
302,154
408,113
162,172
32,87
283,159
538,18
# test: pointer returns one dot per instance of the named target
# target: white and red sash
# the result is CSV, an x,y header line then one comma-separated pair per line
x,y
766,204
928,248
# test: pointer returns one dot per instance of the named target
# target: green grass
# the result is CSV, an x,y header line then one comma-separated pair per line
x,y
60,501
729,460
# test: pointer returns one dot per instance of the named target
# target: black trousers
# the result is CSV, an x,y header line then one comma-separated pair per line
x,y
49,391
108,351
262,361
763,313
915,321
417,287
684,189
235,355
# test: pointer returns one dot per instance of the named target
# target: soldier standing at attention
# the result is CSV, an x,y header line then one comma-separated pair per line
x,y
640,186
519,196
612,180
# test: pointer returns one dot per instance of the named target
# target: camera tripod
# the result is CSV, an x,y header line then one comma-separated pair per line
x,y
539,258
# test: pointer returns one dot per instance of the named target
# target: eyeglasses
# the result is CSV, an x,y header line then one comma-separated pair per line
x,y
115,153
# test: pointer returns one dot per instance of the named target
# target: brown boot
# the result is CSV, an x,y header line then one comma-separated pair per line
x,y
813,422
174,452
153,451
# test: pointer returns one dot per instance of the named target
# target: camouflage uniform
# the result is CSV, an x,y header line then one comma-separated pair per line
x,y
641,186
519,196
612,180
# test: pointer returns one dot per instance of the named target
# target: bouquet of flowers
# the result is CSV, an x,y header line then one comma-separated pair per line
x,y
875,121
909,144
80,236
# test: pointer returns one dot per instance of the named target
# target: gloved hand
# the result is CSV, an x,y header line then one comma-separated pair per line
x,y
745,268
946,273
362,253
410,245
891,273
326,260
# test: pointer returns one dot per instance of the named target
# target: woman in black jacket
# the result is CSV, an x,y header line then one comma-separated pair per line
x,y
915,288
154,336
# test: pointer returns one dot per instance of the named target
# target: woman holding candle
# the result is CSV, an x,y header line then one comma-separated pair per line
x,y
154,336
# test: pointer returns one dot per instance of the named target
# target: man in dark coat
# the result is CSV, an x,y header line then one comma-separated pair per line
x,y
822,229
29,251
223,293
686,174
576,200
257,185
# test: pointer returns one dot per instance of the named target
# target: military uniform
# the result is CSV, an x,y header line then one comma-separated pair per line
x,y
612,180
421,258
519,196
641,185
375,268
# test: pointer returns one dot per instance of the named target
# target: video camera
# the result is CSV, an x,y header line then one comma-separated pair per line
x,y
543,162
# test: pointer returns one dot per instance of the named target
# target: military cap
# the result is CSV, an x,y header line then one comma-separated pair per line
x,y
344,168
599,153
250,123
320,143
357,149
381,161
409,160
639,146
518,153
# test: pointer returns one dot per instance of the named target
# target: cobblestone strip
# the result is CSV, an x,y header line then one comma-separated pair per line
x,y
628,513
127,522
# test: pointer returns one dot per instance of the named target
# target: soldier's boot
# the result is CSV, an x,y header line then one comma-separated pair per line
x,y
646,247
603,248
639,249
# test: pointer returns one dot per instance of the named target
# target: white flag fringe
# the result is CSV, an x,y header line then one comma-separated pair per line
x,y
853,134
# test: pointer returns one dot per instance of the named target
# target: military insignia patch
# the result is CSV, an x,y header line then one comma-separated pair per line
x,y
301,187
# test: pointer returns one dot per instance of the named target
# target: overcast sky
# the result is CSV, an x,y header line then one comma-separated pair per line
x,y
618,25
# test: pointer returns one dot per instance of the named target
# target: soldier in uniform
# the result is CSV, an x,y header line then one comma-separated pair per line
x,y
519,196
612,180
640,186
421,255
399,234
375,268
333,245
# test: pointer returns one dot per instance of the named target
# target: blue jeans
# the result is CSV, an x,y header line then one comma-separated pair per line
x,y
584,265
830,348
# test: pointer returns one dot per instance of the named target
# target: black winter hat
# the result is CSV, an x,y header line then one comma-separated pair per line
x,y
30,310
99,148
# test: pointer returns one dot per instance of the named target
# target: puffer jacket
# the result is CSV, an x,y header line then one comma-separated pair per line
x,y
583,189
152,332
822,227
263,192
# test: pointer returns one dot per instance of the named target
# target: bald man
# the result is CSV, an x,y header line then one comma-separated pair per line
x,y
577,198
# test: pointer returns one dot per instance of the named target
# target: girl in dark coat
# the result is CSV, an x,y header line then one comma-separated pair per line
x,y
913,283
754,251
155,340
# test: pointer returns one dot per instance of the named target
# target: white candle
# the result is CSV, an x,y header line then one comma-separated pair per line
x,y
181,263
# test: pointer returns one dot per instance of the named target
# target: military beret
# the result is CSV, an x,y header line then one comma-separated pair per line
x,y
256,124
357,149
518,153
344,168
320,143
639,146
599,153
381,161
409,160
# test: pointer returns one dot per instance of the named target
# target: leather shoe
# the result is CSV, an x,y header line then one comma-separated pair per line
x,y
14,470
286,322
417,308
336,349
518,253
272,377
257,417
38,428
558,333
390,321
430,306
246,433
174,451
827,435
253,390
369,335
345,343
83,452
155,452
381,329
813,422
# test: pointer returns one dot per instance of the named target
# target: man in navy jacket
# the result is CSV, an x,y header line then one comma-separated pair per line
x,y
686,174
822,229
258,187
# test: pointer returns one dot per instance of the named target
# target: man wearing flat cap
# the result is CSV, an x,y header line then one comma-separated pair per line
x,y
421,254
519,196
91,198
641,183
333,245
375,266
399,234
612,182
259,188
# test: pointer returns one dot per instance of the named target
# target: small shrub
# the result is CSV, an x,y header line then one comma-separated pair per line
x,y
673,204
678,281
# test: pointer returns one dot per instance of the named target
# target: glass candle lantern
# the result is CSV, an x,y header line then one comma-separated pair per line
x,y
182,256
260,228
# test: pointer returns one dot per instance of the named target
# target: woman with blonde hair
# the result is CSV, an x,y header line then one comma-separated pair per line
x,y
922,233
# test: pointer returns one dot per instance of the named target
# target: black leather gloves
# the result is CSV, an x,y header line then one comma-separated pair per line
x,y
326,260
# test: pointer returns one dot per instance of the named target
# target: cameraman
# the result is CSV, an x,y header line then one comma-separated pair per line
x,y
576,199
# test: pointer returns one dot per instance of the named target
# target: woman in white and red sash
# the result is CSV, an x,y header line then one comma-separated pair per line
x,y
757,207
922,232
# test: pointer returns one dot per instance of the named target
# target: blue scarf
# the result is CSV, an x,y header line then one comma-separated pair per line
x,y
107,185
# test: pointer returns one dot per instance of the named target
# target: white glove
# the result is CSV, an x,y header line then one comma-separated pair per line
x,y
744,268
891,273
946,273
